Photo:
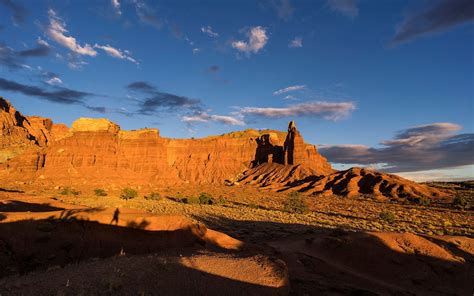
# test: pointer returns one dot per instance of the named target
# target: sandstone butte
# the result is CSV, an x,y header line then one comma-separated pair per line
x,y
34,150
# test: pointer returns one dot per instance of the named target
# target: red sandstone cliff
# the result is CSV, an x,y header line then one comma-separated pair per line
x,y
18,132
98,152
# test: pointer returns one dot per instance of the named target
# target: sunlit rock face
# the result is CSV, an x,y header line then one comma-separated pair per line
x,y
18,132
98,151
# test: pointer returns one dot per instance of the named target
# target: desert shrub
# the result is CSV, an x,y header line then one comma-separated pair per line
x,y
422,201
128,193
221,201
153,196
100,192
206,199
295,203
253,206
461,202
202,199
387,216
190,200
69,191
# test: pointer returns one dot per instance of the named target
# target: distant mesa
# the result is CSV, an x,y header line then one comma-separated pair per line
x,y
97,152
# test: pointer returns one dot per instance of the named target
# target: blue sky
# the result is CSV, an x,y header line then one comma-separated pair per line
x,y
379,83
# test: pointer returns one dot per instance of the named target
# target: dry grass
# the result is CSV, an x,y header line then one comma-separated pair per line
x,y
245,203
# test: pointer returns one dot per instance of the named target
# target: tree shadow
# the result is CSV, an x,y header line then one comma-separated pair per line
x,y
11,190
21,206
325,261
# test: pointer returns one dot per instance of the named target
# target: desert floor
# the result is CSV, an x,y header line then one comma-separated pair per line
x,y
69,244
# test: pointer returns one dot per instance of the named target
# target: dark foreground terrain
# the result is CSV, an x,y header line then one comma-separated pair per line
x,y
70,241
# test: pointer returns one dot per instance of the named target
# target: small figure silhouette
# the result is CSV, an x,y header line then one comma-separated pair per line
x,y
115,217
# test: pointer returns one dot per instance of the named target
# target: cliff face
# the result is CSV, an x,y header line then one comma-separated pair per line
x,y
96,151
18,132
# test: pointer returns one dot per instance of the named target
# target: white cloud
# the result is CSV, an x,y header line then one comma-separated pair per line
x,y
56,31
423,147
461,173
116,6
208,30
204,117
54,81
117,53
346,7
289,97
325,110
297,42
289,89
257,39
196,50
42,42
74,62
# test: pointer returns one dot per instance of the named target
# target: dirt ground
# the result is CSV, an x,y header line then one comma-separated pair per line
x,y
246,244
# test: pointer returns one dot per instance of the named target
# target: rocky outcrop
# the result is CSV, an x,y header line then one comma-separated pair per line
x,y
18,132
293,151
349,183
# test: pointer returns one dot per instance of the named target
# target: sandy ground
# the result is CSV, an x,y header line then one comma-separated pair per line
x,y
50,246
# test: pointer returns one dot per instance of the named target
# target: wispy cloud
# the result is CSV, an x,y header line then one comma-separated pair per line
x,y
320,109
117,53
14,60
284,9
156,100
56,30
296,43
54,81
141,86
346,7
19,12
289,97
461,173
42,49
106,110
147,15
116,6
9,58
209,32
214,69
203,117
424,147
50,78
75,62
257,39
438,16
289,89
60,95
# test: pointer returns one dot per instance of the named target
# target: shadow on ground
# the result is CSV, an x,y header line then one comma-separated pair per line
x,y
320,261
325,261
20,206
77,256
